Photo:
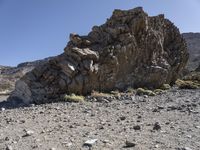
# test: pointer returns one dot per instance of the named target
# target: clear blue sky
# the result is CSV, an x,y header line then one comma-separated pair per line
x,y
35,29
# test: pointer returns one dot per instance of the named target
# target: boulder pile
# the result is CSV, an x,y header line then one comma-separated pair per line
x,y
130,50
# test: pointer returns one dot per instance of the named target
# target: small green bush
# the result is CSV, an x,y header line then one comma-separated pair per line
x,y
141,91
74,98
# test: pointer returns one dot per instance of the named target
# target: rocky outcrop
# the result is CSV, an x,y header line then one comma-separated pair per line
x,y
193,44
198,69
9,75
130,49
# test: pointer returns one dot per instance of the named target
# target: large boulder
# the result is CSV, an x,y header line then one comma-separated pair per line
x,y
130,50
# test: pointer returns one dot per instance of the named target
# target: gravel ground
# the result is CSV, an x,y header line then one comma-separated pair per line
x,y
169,121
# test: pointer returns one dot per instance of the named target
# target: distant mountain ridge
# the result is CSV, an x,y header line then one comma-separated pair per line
x,y
9,75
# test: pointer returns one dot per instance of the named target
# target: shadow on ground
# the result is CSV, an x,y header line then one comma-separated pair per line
x,y
7,103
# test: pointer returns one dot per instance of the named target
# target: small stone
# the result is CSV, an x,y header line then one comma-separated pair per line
x,y
90,142
52,148
32,105
198,127
7,138
22,121
189,136
156,126
9,147
106,141
28,133
129,144
69,144
14,142
122,118
137,127
3,109
187,148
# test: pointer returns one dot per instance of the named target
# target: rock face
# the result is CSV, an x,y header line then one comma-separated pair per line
x,y
130,49
9,75
193,44
198,69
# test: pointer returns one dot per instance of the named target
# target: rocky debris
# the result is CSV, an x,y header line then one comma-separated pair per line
x,y
131,49
52,123
193,44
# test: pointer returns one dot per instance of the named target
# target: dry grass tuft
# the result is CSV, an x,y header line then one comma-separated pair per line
x,y
141,91
74,98
187,84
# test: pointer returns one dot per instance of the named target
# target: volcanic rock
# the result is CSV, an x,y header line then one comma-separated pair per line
x,y
130,50
193,44
9,75
198,69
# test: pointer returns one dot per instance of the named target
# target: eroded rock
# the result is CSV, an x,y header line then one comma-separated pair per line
x,y
130,50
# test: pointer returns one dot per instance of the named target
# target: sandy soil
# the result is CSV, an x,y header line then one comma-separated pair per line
x,y
170,121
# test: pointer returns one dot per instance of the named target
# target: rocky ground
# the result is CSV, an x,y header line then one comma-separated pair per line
x,y
170,121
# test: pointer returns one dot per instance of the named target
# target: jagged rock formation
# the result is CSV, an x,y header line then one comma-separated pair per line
x,y
193,44
9,75
130,49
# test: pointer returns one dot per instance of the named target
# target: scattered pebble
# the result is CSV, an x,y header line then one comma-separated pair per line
x,y
156,126
137,127
129,144
187,148
122,118
28,133
90,142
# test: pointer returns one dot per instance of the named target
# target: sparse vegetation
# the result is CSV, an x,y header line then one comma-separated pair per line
x,y
158,91
130,90
141,91
165,87
74,98
100,94
187,84
115,93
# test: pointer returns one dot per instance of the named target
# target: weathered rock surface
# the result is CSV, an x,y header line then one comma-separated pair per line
x,y
9,75
130,49
198,69
193,44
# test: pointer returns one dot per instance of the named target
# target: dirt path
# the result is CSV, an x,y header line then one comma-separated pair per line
x,y
169,121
